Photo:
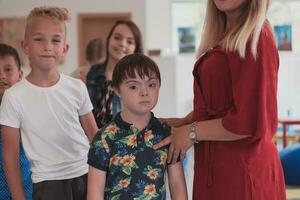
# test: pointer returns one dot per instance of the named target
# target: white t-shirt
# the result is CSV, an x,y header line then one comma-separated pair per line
x,y
48,118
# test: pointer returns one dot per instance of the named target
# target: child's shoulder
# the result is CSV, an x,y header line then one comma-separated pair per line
x,y
74,83
17,87
110,127
162,128
71,79
108,132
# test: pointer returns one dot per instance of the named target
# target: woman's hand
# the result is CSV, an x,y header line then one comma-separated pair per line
x,y
179,143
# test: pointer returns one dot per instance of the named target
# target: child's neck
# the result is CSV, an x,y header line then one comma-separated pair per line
x,y
138,121
43,79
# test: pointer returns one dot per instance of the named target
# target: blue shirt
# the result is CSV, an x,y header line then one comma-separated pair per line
x,y
26,175
95,81
134,169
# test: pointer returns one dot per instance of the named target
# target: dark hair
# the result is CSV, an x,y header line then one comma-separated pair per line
x,y
6,50
136,34
94,50
134,64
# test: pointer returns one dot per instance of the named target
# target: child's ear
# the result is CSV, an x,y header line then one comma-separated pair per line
x,y
24,46
66,49
20,74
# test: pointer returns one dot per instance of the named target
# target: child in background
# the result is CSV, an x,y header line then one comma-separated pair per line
x,y
11,73
123,164
51,111
123,39
94,54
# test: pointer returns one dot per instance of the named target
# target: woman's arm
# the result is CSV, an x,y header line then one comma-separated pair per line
x,y
209,130
96,184
177,122
173,122
11,163
89,125
177,183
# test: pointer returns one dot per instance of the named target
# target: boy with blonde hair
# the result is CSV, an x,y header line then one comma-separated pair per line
x,y
53,113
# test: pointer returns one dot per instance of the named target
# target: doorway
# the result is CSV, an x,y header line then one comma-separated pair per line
x,y
92,26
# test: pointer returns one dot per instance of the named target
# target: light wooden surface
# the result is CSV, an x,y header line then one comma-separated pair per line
x,y
293,192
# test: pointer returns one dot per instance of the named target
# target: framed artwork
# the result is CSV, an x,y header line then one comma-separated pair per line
x,y
283,35
186,36
12,33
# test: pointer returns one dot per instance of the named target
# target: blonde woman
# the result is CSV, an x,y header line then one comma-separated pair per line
x,y
235,107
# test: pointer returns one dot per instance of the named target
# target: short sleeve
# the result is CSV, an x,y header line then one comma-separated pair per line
x,y
9,112
196,101
86,105
99,153
254,90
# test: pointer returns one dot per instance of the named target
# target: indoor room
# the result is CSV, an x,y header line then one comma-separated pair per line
x,y
171,34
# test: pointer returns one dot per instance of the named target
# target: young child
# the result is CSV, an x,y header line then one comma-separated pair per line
x,y
11,73
123,164
94,54
53,113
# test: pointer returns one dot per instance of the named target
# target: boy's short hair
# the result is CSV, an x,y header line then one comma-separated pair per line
x,y
6,50
132,65
94,50
51,12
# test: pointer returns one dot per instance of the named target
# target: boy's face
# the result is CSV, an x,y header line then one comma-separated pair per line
x,y
139,96
45,43
9,73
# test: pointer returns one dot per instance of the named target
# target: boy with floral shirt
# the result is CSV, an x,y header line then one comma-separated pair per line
x,y
123,164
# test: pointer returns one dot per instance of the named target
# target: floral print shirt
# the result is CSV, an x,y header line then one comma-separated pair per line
x,y
134,169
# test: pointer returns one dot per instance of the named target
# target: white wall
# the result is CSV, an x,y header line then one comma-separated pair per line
x,y
167,101
184,83
286,12
289,84
19,8
176,93
158,24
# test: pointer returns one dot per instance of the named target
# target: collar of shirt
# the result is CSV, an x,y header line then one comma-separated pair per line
x,y
153,123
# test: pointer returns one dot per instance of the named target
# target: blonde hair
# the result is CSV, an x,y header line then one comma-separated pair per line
x,y
249,26
51,12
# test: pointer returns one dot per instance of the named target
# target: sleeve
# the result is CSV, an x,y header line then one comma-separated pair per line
x,y
254,90
99,153
196,90
9,112
86,105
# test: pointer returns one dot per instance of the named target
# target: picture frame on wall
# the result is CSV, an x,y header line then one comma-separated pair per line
x,y
186,37
283,35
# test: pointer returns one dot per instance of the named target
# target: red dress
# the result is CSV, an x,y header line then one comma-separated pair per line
x,y
243,93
